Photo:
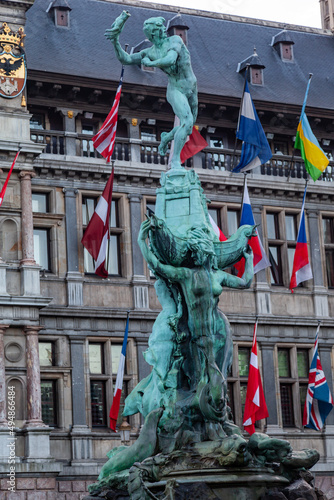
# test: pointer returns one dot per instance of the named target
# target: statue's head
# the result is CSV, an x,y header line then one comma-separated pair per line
x,y
200,244
154,28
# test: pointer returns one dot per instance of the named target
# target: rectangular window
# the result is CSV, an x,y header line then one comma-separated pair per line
x,y
293,369
46,353
98,403
282,229
42,248
237,382
96,358
40,202
233,220
116,350
256,76
113,250
49,398
328,236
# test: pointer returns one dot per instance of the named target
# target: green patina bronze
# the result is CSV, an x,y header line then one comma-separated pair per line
x,y
172,56
188,421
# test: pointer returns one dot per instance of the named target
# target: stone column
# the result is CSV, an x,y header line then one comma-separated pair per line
x,y
3,393
30,280
269,386
70,130
36,433
81,441
262,289
139,281
34,403
73,277
319,290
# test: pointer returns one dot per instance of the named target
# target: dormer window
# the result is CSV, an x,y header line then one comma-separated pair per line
x,y
61,11
256,76
177,26
283,44
254,67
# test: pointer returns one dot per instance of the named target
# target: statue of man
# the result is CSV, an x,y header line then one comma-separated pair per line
x,y
172,56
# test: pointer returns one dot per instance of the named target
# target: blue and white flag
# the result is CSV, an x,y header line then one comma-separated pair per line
x,y
255,148
319,401
260,259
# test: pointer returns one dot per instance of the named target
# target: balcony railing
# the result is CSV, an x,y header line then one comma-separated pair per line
x,y
147,152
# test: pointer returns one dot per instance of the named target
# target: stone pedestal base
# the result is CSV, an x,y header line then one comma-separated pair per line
x,y
37,444
30,282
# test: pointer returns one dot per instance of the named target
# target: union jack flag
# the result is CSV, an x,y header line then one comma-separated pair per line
x,y
319,401
104,140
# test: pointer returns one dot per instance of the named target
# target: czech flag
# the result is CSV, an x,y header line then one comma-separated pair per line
x,y
301,270
260,259
116,402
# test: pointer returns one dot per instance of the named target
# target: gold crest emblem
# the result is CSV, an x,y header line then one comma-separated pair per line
x,y
13,71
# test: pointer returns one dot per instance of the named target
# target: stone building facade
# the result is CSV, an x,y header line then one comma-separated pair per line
x,y
61,326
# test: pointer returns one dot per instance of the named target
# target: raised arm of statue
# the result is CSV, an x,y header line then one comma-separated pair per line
x,y
166,271
163,62
113,33
246,280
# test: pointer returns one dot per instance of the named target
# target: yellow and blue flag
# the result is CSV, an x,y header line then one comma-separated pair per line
x,y
314,158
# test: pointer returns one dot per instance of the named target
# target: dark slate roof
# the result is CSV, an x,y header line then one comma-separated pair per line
x,y
283,36
216,47
251,61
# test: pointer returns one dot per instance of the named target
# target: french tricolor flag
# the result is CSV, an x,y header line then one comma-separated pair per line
x,y
114,410
97,233
216,229
260,259
301,270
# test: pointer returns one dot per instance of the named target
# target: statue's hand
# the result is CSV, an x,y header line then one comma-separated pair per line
x,y
117,26
248,253
146,61
144,229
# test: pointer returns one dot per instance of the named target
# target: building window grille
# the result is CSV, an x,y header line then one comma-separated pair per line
x,y
49,402
293,370
98,403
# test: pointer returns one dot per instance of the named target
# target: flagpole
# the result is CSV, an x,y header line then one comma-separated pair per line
x,y
242,100
301,114
108,247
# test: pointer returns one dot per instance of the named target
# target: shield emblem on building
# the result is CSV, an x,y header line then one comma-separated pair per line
x,y
13,69
13,73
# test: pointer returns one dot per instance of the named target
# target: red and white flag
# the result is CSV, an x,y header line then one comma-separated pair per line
x,y
4,187
255,407
97,233
104,140
195,143
116,402
216,229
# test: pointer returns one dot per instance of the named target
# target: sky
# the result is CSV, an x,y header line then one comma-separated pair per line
x,y
301,12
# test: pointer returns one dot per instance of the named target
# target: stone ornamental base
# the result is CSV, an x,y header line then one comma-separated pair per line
x,y
223,485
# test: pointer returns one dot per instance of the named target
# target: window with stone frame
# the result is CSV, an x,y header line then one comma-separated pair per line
x,y
293,370
238,379
281,229
256,76
227,218
103,361
113,259
286,51
42,248
49,402
328,240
